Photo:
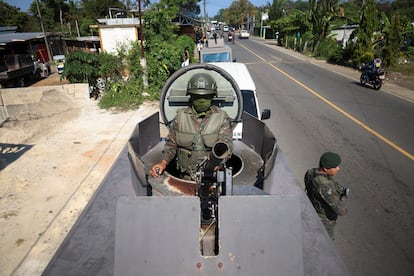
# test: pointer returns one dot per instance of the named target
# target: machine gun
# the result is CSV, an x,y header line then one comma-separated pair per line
x,y
213,179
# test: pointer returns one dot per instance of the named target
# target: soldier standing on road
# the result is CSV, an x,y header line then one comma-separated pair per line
x,y
327,196
196,129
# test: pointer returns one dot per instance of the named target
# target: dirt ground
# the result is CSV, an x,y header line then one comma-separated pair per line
x,y
52,160
406,81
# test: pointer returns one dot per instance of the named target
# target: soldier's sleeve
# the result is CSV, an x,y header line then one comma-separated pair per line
x,y
226,132
330,193
170,147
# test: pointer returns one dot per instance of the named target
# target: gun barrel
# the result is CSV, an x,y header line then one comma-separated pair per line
x,y
221,150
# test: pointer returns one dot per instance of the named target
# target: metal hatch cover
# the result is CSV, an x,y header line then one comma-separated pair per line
x,y
258,235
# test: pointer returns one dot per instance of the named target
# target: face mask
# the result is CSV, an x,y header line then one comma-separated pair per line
x,y
202,104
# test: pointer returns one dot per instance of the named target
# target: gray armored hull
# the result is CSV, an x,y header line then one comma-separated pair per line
x,y
139,225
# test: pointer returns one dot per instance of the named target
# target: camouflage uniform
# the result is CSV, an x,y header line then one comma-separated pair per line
x,y
325,194
199,141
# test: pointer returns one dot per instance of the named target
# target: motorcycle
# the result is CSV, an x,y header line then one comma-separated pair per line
x,y
230,37
373,77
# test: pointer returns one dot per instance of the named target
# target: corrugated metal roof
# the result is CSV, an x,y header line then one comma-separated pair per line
x,y
8,29
16,37
118,21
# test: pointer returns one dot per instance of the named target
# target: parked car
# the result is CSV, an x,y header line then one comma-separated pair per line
x,y
244,34
60,63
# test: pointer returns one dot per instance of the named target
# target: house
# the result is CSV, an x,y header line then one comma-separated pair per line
x,y
116,32
343,33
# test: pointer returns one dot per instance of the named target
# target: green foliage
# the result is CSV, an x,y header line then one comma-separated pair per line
x,y
238,12
81,67
409,53
328,49
110,66
162,48
132,59
393,41
161,63
368,24
12,16
290,25
366,57
185,41
277,9
321,13
123,95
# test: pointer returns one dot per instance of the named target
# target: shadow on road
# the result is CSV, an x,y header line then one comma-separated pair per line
x,y
11,152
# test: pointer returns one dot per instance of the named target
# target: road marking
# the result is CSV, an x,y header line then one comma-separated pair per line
x,y
337,108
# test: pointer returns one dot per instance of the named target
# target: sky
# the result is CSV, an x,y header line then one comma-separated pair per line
x,y
212,6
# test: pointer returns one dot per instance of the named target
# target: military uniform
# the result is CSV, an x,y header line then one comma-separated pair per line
x,y
192,137
325,194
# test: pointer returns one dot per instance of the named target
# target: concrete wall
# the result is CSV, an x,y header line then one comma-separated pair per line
x,y
16,101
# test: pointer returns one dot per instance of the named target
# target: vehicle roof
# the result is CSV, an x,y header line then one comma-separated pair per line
x,y
239,73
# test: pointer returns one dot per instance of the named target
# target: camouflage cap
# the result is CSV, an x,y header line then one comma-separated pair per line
x,y
329,160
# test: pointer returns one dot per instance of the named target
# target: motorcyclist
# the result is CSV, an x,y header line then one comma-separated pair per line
x,y
372,67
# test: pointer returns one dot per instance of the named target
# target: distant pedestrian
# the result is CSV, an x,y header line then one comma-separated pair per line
x,y
186,61
199,47
327,196
215,37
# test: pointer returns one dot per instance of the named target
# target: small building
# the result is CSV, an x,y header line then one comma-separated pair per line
x,y
343,33
116,32
84,43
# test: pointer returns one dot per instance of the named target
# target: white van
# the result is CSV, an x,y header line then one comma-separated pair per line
x,y
240,73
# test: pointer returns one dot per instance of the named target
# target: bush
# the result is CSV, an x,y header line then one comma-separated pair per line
x,y
185,41
328,49
81,67
123,95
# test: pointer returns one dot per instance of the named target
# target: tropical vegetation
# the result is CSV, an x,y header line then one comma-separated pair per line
x,y
383,28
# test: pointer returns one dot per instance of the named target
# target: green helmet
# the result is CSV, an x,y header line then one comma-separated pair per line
x,y
202,84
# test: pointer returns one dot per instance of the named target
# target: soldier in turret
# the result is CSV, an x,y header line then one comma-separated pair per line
x,y
196,129
325,193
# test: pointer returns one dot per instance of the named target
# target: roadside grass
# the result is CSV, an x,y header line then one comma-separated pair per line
x,y
405,69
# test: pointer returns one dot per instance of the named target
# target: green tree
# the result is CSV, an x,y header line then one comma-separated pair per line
x,y
363,51
392,40
405,8
321,14
161,52
277,9
81,67
239,12
189,6
12,16
294,25
94,9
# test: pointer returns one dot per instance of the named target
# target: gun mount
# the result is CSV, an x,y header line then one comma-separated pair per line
x,y
264,223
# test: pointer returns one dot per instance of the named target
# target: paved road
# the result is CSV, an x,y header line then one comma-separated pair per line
x,y
318,107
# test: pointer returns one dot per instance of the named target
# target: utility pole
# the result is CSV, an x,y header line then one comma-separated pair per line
x,y
43,30
205,22
142,61
141,37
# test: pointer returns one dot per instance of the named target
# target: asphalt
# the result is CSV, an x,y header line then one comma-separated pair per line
x,y
353,74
